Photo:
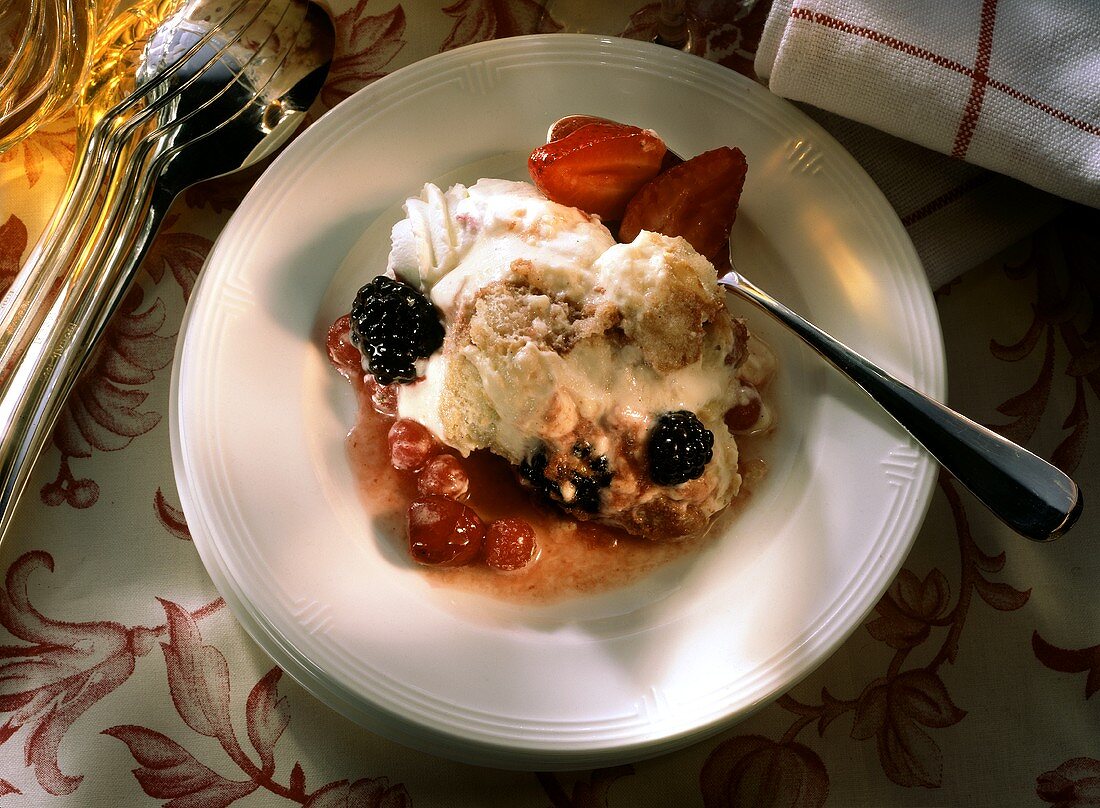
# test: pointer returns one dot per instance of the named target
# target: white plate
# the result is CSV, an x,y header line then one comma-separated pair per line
x,y
259,420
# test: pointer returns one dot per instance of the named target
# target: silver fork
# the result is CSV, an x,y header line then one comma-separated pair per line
x,y
1035,499
213,97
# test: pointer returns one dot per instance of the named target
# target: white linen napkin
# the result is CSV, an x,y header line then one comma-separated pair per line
x,y
1008,85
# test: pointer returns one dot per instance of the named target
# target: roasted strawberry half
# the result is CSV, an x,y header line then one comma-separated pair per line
x,y
696,199
597,167
571,123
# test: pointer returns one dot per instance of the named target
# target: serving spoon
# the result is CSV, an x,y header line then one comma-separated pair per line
x,y
1028,494
214,93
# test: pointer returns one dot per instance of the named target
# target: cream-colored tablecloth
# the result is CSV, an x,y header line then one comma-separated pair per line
x,y
125,681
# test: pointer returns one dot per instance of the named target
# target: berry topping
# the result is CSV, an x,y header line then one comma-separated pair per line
x,y
744,415
394,325
443,532
572,479
383,398
343,354
412,445
597,167
444,476
509,544
696,199
679,448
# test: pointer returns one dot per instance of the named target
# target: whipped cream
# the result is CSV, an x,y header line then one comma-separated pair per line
x,y
451,243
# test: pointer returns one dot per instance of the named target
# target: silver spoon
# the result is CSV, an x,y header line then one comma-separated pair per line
x,y
1035,499
213,96
1028,494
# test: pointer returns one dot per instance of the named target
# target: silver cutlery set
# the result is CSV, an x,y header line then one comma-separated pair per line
x,y
214,88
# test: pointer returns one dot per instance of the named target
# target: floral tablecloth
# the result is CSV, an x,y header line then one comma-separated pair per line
x,y
125,681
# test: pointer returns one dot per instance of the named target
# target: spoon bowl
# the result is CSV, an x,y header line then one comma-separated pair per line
x,y
243,107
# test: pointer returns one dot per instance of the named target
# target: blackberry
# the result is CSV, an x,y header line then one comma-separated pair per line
x,y
679,448
393,325
573,480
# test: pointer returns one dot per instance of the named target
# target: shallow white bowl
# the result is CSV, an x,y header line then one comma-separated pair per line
x,y
259,420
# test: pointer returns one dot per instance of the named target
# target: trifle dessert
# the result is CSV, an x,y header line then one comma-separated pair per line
x,y
570,328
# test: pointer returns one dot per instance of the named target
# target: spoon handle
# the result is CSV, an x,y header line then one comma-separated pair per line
x,y
1028,494
76,277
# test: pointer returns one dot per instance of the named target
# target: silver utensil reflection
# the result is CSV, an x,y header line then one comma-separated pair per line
x,y
1028,494
214,93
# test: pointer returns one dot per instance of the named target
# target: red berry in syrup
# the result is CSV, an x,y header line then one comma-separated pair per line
x,y
411,445
345,357
743,416
444,476
509,544
383,398
443,532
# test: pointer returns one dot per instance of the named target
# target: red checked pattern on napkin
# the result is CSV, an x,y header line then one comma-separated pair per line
x,y
1008,85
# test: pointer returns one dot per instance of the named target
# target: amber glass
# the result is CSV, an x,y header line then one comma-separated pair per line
x,y
46,50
